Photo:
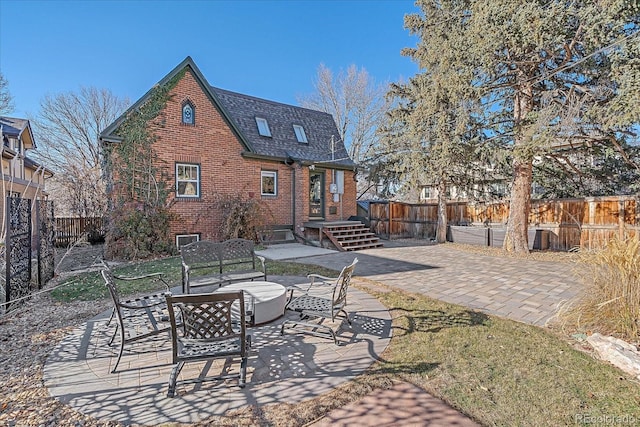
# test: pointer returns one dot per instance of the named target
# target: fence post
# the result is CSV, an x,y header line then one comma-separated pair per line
x,y
390,219
621,218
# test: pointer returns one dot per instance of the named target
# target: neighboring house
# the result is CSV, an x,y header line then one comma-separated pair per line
x,y
493,186
485,191
21,176
214,141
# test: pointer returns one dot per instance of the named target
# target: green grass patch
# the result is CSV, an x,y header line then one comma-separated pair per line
x,y
90,286
498,371
284,268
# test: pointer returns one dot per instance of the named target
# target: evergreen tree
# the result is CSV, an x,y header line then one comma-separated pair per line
x,y
547,72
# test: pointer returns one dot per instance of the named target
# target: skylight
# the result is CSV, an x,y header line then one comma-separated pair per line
x,y
300,135
263,126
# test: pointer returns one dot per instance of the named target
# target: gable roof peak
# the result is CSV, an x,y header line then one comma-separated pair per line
x,y
109,134
240,110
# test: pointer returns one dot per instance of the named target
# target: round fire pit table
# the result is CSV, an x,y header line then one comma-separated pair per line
x,y
268,299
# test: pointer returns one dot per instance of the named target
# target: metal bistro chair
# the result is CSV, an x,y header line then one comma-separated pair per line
x,y
213,327
138,318
319,307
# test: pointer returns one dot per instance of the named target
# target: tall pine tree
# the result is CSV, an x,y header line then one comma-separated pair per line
x,y
547,72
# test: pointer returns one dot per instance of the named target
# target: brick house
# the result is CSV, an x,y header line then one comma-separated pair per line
x,y
219,142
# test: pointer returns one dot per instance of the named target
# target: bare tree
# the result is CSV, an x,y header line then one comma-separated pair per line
x,y
6,100
356,103
67,131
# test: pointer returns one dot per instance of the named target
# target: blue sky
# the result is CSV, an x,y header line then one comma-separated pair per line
x,y
269,49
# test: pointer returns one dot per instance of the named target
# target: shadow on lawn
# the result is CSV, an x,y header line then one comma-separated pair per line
x,y
399,368
434,320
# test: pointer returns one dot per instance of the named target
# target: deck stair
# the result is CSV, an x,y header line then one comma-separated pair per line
x,y
351,236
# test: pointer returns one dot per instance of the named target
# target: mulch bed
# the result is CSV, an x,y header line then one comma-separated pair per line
x,y
28,334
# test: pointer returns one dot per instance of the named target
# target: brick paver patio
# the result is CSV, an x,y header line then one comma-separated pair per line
x,y
294,367
525,290
281,369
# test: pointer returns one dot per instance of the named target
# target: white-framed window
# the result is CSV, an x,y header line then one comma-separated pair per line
x,y
14,144
185,239
498,189
269,183
263,126
300,135
187,180
188,114
427,193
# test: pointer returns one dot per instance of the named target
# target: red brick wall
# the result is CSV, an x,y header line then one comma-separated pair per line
x,y
345,208
212,144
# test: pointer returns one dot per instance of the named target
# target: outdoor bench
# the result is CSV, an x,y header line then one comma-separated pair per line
x,y
207,263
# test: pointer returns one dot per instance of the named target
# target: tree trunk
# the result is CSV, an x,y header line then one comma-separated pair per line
x,y
441,228
516,238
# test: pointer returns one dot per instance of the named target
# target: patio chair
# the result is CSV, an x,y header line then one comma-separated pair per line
x,y
213,327
318,307
138,318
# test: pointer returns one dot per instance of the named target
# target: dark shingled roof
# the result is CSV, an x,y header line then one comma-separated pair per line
x,y
12,126
319,128
241,111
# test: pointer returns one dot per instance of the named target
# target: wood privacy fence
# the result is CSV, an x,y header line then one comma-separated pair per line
x,y
69,230
587,223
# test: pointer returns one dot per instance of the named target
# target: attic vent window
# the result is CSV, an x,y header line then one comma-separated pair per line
x,y
263,126
188,114
300,135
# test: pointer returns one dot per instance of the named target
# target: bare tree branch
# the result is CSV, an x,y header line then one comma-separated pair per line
x,y
67,130
356,103
6,100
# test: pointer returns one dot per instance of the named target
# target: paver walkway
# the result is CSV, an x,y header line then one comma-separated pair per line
x,y
519,289
401,405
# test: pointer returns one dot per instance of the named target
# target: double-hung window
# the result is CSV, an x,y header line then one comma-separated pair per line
x,y
269,183
187,180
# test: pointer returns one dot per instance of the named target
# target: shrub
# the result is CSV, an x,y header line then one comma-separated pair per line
x,y
139,233
241,218
95,236
611,300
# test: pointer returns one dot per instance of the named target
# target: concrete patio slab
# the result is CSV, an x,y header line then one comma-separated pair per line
x,y
284,251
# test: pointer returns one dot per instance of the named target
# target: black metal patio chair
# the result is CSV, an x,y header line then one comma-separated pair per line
x,y
314,308
138,318
213,327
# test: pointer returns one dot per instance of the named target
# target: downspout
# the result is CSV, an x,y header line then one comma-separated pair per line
x,y
293,197
291,164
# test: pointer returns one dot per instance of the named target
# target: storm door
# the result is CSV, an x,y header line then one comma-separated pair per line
x,y
316,196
